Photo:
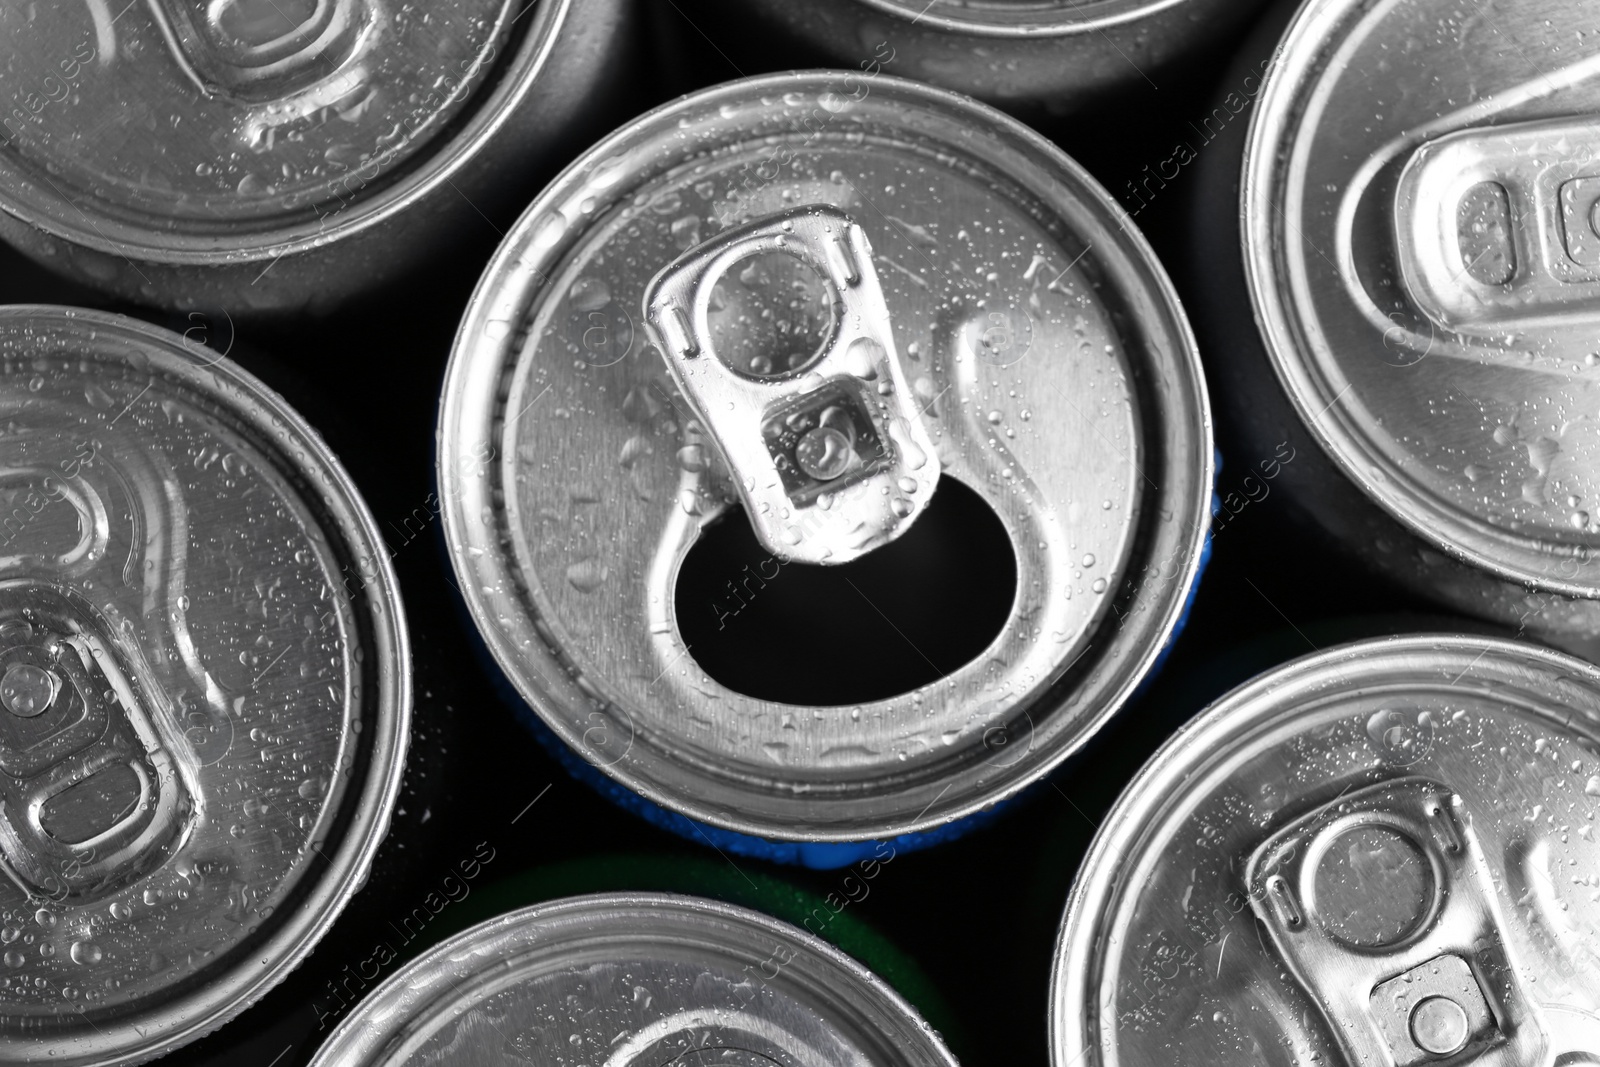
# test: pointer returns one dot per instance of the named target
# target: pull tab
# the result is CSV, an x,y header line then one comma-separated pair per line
x,y
1383,908
1499,227
778,335
261,50
90,795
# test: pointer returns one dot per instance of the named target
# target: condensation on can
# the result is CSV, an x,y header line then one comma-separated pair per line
x,y
1060,56
1038,334
262,157
1377,853
634,978
204,689
1433,334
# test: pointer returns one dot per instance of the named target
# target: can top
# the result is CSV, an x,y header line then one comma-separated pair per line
x,y
1037,345
1423,257
634,979
186,128
1020,18
204,688
1381,853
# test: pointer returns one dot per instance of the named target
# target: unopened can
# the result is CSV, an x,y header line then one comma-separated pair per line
x,y
254,155
630,979
204,689
1059,56
1418,238
859,290
1381,853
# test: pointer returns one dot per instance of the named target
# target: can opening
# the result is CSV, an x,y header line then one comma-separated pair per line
x,y
898,618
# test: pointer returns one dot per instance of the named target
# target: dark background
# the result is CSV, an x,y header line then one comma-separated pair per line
x,y
965,930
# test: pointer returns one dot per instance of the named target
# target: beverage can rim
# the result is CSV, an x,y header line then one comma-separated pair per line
x,y
474,383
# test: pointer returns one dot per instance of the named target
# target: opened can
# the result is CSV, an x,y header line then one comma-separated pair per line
x,y
1059,56
1380,853
257,156
827,302
1417,250
634,979
204,689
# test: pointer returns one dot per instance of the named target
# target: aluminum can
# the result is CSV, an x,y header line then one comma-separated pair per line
x,y
985,317
634,979
260,156
204,689
1375,854
1060,56
1414,251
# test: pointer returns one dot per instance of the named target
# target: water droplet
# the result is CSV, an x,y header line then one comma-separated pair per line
x,y
86,952
586,574
913,455
547,231
901,507
692,458
634,449
862,358
589,294
27,689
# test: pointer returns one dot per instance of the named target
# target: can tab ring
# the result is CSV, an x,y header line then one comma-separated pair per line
x,y
1384,910
1499,227
253,50
824,441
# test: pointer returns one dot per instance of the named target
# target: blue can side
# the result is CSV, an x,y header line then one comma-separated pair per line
x,y
814,855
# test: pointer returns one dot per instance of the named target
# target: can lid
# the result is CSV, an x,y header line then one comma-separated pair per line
x,y
1046,359
1021,18
634,979
181,129
204,688
1375,854
1426,270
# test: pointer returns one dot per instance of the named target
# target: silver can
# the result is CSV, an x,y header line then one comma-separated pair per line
x,y
882,287
1381,853
1058,56
204,689
1416,247
634,979
268,156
